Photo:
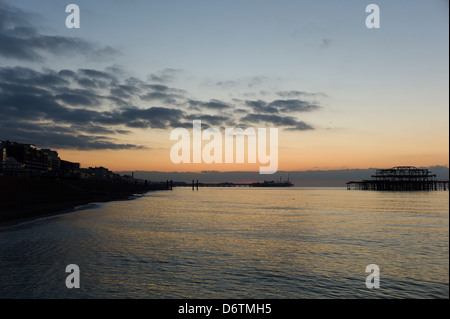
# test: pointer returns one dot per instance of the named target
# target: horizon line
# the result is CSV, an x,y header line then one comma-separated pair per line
x,y
280,171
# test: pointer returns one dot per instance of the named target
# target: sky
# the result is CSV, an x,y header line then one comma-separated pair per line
x,y
342,96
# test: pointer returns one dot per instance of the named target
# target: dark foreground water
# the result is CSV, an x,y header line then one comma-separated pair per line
x,y
236,243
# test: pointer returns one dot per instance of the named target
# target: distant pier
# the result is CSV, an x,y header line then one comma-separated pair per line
x,y
401,178
196,184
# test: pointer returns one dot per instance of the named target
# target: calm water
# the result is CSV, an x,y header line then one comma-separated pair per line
x,y
236,243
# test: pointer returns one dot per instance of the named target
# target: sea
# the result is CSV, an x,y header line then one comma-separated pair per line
x,y
235,243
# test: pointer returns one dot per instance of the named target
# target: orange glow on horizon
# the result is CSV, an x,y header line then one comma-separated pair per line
x,y
310,150
136,160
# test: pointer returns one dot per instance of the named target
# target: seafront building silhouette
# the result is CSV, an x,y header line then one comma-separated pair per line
x,y
36,182
26,160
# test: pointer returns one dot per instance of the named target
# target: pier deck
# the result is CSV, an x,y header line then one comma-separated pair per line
x,y
401,178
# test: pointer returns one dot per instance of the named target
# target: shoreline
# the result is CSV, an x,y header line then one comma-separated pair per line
x,y
26,220
23,199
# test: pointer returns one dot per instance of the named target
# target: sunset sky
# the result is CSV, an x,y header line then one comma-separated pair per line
x,y
341,95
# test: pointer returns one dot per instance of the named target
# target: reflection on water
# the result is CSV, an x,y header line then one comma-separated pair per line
x,y
236,243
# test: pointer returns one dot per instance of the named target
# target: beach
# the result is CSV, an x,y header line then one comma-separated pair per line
x,y
23,198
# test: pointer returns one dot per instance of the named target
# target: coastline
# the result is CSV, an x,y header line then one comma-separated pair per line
x,y
23,199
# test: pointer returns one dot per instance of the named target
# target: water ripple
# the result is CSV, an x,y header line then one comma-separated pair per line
x,y
238,243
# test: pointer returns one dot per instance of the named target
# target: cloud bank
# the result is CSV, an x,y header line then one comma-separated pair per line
x,y
90,108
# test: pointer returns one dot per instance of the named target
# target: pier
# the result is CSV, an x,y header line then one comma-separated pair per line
x,y
195,184
401,178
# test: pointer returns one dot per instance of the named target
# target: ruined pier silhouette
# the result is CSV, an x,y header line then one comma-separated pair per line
x,y
401,178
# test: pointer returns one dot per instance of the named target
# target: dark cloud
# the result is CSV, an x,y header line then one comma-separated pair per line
x,y
102,54
76,99
154,117
81,142
295,93
22,41
213,104
230,84
158,92
92,129
164,76
18,88
94,106
124,91
212,120
289,122
293,105
281,106
83,78
158,87
30,107
216,105
243,82
96,74
73,114
257,80
90,108
21,75
59,137
87,83
300,126
67,73
44,104
160,96
261,107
